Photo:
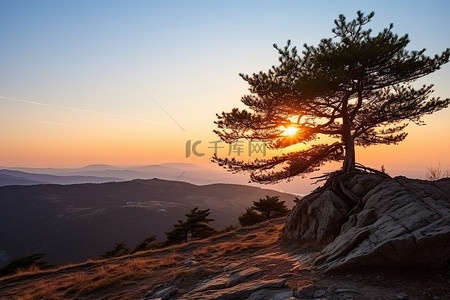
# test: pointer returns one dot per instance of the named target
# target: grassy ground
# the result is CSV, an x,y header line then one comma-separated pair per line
x,y
134,276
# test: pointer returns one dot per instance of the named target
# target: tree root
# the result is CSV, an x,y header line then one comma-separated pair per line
x,y
335,181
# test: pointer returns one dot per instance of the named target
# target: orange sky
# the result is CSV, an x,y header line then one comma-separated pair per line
x,y
130,85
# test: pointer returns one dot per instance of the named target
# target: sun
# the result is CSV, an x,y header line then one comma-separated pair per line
x,y
290,131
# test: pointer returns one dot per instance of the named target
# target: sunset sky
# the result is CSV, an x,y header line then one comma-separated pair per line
x,y
129,82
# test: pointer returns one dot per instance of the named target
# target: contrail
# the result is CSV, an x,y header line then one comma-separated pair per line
x,y
162,108
24,101
87,111
35,120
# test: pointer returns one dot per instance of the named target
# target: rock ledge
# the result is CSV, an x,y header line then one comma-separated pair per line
x,y
401,223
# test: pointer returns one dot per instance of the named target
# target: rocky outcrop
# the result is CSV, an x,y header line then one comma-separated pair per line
x,y
400,222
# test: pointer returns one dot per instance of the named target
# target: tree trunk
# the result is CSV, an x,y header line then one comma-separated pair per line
x,y
349,161
349,144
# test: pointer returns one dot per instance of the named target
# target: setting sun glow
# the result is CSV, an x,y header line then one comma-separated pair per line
x,y
290,131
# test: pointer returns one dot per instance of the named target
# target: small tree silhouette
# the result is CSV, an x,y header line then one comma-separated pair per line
x,y
196,226
250,217
23,263
145,244
119,249
197,221
178,234
270,207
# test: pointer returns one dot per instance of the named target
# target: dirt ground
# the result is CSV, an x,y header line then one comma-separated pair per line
x,y
135,276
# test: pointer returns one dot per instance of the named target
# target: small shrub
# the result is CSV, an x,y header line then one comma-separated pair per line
x,y
119,249
145,244
250,217
25,263
436,173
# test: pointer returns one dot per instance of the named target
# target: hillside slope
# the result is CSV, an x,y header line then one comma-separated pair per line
x,y
72,223
248,263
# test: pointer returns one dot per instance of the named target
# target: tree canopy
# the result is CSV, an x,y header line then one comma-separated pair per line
x,y
119,249
250,217
263,209
196,225
24,262
354,88
146,244
270,207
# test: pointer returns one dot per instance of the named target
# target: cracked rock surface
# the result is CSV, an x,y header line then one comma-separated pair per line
x,y
402,223
238,284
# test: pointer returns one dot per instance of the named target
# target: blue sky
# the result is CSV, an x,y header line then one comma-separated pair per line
x,y
102,67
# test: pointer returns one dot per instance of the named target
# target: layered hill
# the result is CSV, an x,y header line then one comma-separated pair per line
x,y
13,177
72,223
106,173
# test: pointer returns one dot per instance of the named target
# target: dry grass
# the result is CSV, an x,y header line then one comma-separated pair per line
x,y
191,275
169,260
249,237
127,272
222,249
132,276
436,173
30,270
247,242
45,289
83,283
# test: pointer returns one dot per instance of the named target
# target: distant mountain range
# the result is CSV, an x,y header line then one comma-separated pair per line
x,y
187,172
72,223
12,177
107,173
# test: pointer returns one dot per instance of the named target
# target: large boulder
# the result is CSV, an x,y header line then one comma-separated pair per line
x,y
317,218
401,223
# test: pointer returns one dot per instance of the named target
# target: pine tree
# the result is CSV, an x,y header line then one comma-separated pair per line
x,y
145,244
24,262
196,226
250,217
178,234
197,221
354,88
270,207
119,249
